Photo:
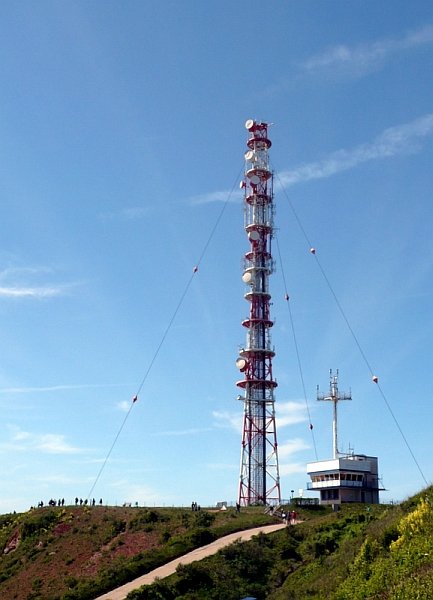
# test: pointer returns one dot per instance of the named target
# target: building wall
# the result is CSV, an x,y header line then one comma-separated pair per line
x,y
345,479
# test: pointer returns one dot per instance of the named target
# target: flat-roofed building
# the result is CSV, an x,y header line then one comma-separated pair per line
x,y
351,478
347,477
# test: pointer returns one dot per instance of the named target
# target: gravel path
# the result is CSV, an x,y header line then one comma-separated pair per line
x,y
198,554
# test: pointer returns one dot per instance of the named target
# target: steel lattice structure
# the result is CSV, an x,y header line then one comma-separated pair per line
x,y
259,472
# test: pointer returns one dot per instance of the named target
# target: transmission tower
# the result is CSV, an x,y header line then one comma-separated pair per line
x,y
259,472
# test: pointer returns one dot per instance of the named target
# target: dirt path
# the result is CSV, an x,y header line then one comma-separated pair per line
x,y
198,554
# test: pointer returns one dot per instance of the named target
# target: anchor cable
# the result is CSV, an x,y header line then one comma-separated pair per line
x,y
167,330
375,379
295,341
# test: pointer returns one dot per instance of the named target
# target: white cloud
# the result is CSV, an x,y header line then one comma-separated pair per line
x,y
135,212
364,58
292,468
134,492
290,447
61,479
218,196
131,213
47,443
289,413
285,451
16,282
286,413
231,420
401,139
53,443
222,467
180,432
30,292
124,406
56,388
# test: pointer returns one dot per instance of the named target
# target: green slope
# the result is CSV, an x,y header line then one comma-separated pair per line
x,y
358,553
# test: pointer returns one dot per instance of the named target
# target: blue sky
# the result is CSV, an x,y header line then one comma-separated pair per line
x,y
122,136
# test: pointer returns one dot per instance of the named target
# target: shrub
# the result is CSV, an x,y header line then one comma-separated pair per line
x,y
38,522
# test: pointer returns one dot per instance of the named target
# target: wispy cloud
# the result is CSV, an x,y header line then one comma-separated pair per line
x,y
407,138
57,388
292,468
286,450
124,406
48,443
289,413
180,432
219,196
223,466
286,413
401,139
230,420
130,213
30,292
363,58
23,282
134,492
62,479
291,447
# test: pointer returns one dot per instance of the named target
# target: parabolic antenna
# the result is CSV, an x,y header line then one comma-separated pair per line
x,y
241,364
249,124
255,179
247,277
249,155
253,236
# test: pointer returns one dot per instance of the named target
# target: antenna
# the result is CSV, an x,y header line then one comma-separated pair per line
x,y
259,476
334,396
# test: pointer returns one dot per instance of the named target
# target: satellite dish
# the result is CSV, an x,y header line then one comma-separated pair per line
x,y
253,236
249,155
249,124
241,364
247,277
255,179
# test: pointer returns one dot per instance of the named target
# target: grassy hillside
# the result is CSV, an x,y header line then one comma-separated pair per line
x,y
361,552
76,553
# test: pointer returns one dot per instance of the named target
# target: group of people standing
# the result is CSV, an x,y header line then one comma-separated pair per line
x,y
86,502
289,518
61,502
52,502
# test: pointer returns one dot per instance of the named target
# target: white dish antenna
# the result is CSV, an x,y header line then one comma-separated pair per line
x,y
254,236
241,364
249,124
250,156
247,277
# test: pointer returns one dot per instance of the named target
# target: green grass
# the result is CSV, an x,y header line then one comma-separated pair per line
x,y
359,553
77,553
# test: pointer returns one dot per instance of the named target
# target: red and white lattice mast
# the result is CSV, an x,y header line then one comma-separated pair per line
x,y
259,476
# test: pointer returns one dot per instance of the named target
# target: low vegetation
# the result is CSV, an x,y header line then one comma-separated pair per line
x,y
78,553
359,552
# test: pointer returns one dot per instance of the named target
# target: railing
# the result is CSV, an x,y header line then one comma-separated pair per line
x,y
332,483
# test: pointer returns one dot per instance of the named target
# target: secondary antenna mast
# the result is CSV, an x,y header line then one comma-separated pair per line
x,y
334,396
259,472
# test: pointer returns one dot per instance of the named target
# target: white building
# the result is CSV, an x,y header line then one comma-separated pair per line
x,y
345,477
351,478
